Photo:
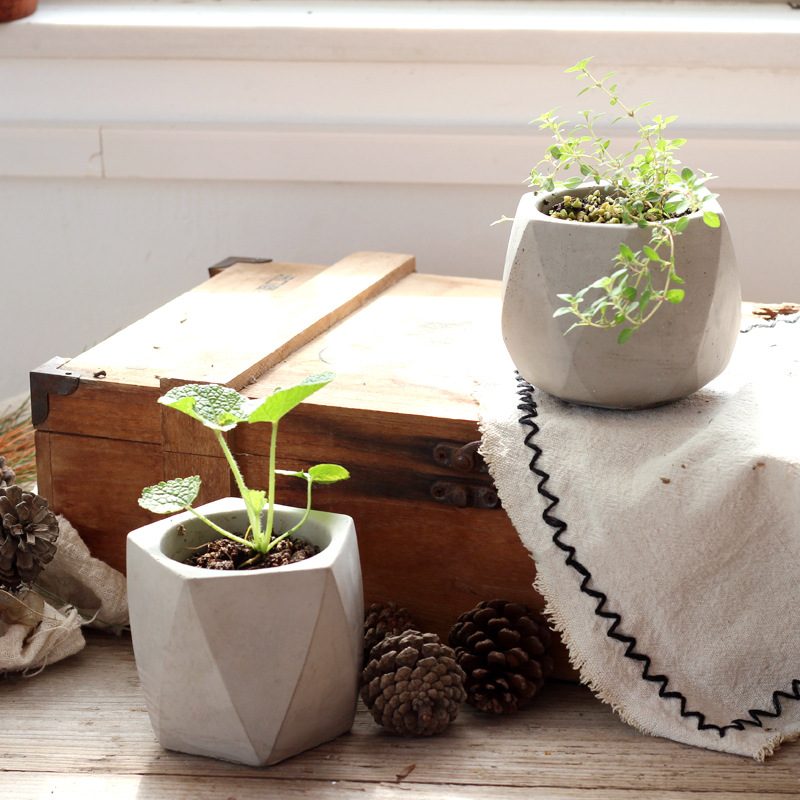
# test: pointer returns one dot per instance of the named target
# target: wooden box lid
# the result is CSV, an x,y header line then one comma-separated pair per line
x,y
398,341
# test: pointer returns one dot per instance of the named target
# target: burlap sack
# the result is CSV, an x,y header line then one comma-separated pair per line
x,y
35,633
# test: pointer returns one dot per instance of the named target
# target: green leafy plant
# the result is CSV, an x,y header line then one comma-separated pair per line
x,y
221,409
642,186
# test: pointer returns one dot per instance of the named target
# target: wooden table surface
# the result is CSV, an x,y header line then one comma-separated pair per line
x,y
79,729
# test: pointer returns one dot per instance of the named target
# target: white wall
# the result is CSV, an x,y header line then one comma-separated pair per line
x,y
134,154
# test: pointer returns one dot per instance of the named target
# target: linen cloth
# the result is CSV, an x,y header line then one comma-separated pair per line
x,y
667,542
40,632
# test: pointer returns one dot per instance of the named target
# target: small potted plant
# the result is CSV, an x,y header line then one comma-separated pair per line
x,y
620,286
246,616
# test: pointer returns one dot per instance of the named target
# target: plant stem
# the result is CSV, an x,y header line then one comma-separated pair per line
x,y
273,446
222,531
253,518
305,516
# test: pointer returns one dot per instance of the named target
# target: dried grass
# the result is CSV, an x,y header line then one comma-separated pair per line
x,y
17,443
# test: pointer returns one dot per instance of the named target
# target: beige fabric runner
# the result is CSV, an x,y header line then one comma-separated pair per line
x,y
667,542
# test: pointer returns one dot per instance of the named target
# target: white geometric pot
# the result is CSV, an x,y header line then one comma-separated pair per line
x,y
679,350
247,666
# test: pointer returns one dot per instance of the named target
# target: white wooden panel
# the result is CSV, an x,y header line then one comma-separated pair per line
x,y
472,31
36,151
410,155
354,155
321,154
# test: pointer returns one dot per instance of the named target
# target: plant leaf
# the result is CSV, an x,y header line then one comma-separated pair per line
x,y
170,496
581,65
624,335
711,219
561,311
282,401
681,224
674,295
328,473
626,252
255,499
217,407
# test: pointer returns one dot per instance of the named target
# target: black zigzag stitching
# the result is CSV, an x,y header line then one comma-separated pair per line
x,y
528,406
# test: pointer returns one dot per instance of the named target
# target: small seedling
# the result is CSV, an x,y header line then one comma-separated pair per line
x,y
221,409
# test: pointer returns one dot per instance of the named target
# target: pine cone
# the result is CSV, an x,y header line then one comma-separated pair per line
x,y
504,649
412,685
382,620
28,533
7,475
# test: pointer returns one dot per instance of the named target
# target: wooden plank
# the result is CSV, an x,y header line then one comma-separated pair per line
x,y
44,469
418,349
176,333
81,726
110,475
67,786
247,336
217,480
100,408
360,439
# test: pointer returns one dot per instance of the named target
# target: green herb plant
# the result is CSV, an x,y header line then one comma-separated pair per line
x,y
221,409
642,187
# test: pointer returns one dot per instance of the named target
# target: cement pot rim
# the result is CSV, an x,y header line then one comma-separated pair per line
x,y
161,540
540,197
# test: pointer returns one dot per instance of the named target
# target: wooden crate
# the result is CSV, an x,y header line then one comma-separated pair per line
x,y
406,349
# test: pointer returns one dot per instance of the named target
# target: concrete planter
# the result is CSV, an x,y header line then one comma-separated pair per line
x,y
674,354
249,666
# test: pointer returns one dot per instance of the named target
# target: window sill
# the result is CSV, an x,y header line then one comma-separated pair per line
x,y
702,33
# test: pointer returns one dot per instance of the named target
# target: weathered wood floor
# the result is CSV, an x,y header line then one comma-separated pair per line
x,y
80,730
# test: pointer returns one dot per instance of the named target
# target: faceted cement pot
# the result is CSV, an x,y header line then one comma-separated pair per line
x,y
678,351
247,666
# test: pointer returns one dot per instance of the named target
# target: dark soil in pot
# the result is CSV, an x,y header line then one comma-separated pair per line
x,y
225,554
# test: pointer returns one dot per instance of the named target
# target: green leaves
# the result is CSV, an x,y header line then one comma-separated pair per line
x,y
581,66
328,473
169,497
217,407
321,473
282,401
624,335
254,499
646,186
221,408
651,254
